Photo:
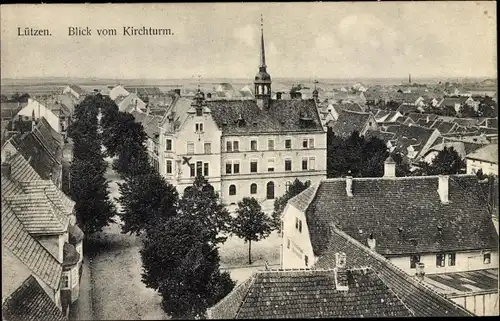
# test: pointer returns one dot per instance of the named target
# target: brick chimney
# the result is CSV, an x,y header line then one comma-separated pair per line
x,y
420,270
389,167
278,95
371,242
443,187
340,272
348,184
177,91
6,170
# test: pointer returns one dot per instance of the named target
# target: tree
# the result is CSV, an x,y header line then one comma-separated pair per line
x,y
251,224
89,188
279,204
201,202
467,111
181,262
146,200
446,162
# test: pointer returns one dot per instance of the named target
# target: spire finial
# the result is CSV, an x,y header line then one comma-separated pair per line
x,y
199,79
262,50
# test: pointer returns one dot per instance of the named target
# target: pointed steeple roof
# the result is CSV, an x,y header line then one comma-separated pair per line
x,y
262,48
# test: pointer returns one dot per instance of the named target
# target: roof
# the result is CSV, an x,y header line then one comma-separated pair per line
x,y
312,294
349,121
398,212
385,136
419,298
30,303
459,147
10,109
151,125
410,134
77,89
296,115
488,153
75,234
70,255
464,283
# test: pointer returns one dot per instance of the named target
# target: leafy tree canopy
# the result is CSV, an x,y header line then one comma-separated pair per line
x,y
280,203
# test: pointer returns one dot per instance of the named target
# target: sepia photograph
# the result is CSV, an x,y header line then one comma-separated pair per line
x,y
249,160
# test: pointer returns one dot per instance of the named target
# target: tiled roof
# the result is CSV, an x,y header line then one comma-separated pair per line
x,y
177,113
403,213
385,136
144,91
407,107
10,110
443,127
302,200
77,89
349,106
37,214
411,134
315,294
348,122
63,203
488,153
459,147
281,116
151,125
30,303
17,239
460,283
420,299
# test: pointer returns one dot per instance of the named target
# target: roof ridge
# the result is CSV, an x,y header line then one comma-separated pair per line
x,y
341,179
313,187
388,263
252,281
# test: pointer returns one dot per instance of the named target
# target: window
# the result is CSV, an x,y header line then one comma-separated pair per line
x,y
192,171
199,168
288,243
229,167
74,277
253,166
207,148
306,260
199,112
300,226
311,142
296,223
229,146
414,259
270,165
253,188
65,281
232,190
205,170
288,164
190,148
487,258
199,127
236,167
451,259
288,143
169,167
253,145
304,143
312,163
236,146
169,144
440,260
270,144
304,164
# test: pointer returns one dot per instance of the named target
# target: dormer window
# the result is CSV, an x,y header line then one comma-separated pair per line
x,y
199,111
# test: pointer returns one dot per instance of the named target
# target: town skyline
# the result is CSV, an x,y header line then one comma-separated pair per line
x,y
353,40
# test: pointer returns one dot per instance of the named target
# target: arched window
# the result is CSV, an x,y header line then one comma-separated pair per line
x,y
270,190
253,188
232,189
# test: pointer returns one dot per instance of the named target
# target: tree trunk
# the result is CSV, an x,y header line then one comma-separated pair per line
x,y
249,252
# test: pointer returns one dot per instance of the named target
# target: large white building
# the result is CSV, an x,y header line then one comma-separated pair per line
x,y
485,159
243,147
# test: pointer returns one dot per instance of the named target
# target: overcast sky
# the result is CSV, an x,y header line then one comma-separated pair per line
x,y
305,40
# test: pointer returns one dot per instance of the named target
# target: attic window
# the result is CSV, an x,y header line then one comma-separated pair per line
x,y
255,124
414,242
224,123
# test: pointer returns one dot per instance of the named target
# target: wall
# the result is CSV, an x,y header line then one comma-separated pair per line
x,y
464,261
40,111
54,244
279,176
14,272
300,244
480,305
488,168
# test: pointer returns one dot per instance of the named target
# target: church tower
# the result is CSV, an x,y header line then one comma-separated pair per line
x,y
262,79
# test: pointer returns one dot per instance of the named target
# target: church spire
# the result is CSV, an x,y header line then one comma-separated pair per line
x,y
262,48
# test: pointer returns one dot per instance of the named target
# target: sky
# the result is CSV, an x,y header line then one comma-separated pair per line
x,y
221,40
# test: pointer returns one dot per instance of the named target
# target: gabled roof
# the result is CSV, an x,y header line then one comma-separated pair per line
x,y
419,298
419,135
9,110
77,89
282,116
488,153
444,127
144,91
383,206
385,136
151,125
30,303
349,121
313,294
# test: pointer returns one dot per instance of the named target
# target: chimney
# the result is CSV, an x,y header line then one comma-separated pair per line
x,y
209,95
6,170
348,184
278,95
420,270
340,273
443,188
177,91
371,242
389,167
